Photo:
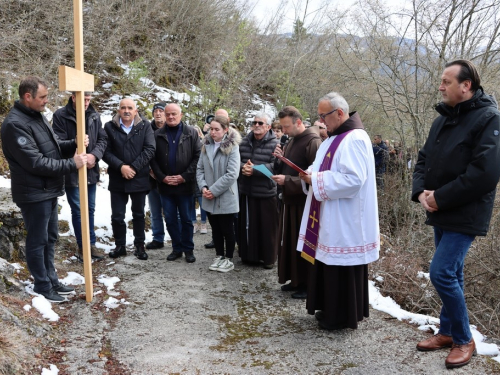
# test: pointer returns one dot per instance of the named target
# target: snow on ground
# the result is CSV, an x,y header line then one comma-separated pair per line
x,y
109,282
102,220
45,308
52,371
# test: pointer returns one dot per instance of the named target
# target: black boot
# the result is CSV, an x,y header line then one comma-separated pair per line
x,y
119,251
140,253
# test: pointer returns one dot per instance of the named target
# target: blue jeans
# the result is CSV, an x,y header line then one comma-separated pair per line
x,y
447,276
40,222
73,196
203,213
118,207
182,236
157,226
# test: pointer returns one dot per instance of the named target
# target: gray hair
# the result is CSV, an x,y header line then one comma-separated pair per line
x,y
265,116
336,101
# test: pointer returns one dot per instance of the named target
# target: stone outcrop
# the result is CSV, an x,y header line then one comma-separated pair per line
x,y
12,235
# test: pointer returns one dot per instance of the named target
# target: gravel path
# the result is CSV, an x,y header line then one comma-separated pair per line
x,y
184,319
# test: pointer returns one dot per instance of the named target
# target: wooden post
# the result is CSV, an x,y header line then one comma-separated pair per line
x,y
78,81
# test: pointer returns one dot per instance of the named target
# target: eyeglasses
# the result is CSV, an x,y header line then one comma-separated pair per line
x,y
258,123
326,114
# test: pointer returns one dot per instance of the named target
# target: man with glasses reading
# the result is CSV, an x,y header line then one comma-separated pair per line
x,y
339,232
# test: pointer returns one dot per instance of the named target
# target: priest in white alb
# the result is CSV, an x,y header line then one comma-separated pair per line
x,y
339,233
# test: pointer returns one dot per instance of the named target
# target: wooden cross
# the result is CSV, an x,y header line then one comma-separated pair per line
x,y
78,81
313,217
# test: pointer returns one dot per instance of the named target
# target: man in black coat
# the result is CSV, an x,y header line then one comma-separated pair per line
x,y
131,146
455,181
64,125
38,161
178,149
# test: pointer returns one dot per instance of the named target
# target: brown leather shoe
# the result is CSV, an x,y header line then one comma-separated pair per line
x,y
460,355
95,253
435,342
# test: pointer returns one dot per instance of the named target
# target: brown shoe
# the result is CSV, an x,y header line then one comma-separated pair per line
x,y
95,253
435,342
460,355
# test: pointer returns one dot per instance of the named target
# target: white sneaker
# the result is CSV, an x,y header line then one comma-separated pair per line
x,y
203,228
215,263
225,265
195,228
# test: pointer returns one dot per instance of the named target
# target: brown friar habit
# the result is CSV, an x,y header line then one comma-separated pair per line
x,y
301,150
340,292
258,219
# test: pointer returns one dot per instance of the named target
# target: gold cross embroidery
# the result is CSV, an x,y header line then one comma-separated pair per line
x,y
313,217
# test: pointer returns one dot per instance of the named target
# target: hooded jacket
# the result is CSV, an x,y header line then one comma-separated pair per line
x,y
135,149
38,159
219,172
64,125
460,161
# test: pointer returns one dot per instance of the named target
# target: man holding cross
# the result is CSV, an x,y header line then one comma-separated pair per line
x,y
339,233
38,161
64,125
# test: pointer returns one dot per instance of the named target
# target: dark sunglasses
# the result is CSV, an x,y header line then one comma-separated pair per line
x,y
258,123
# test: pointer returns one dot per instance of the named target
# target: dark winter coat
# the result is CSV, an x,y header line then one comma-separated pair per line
x,y
135,149
38,159
460,161
187,155
381,154
219,172
64,125
258,185
152,182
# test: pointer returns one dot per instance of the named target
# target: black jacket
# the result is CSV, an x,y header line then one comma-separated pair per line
x,y
135,149
64,125
461,162
36,156
152,182
258,185
187,155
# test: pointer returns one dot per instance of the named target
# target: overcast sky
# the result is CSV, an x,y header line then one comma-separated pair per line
x,y
264,10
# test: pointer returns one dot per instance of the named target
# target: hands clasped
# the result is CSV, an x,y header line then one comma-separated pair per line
x,y
173,180
127,172
247,169
428,201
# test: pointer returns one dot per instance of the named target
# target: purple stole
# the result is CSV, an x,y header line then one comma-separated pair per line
x,y
312,230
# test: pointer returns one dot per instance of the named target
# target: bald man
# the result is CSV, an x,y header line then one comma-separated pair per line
x,y
174,165
131,146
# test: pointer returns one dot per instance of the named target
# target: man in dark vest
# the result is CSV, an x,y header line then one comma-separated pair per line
x,y
300,149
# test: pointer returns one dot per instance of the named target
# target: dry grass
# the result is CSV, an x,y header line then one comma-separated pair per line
x,y
408,247
12,352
